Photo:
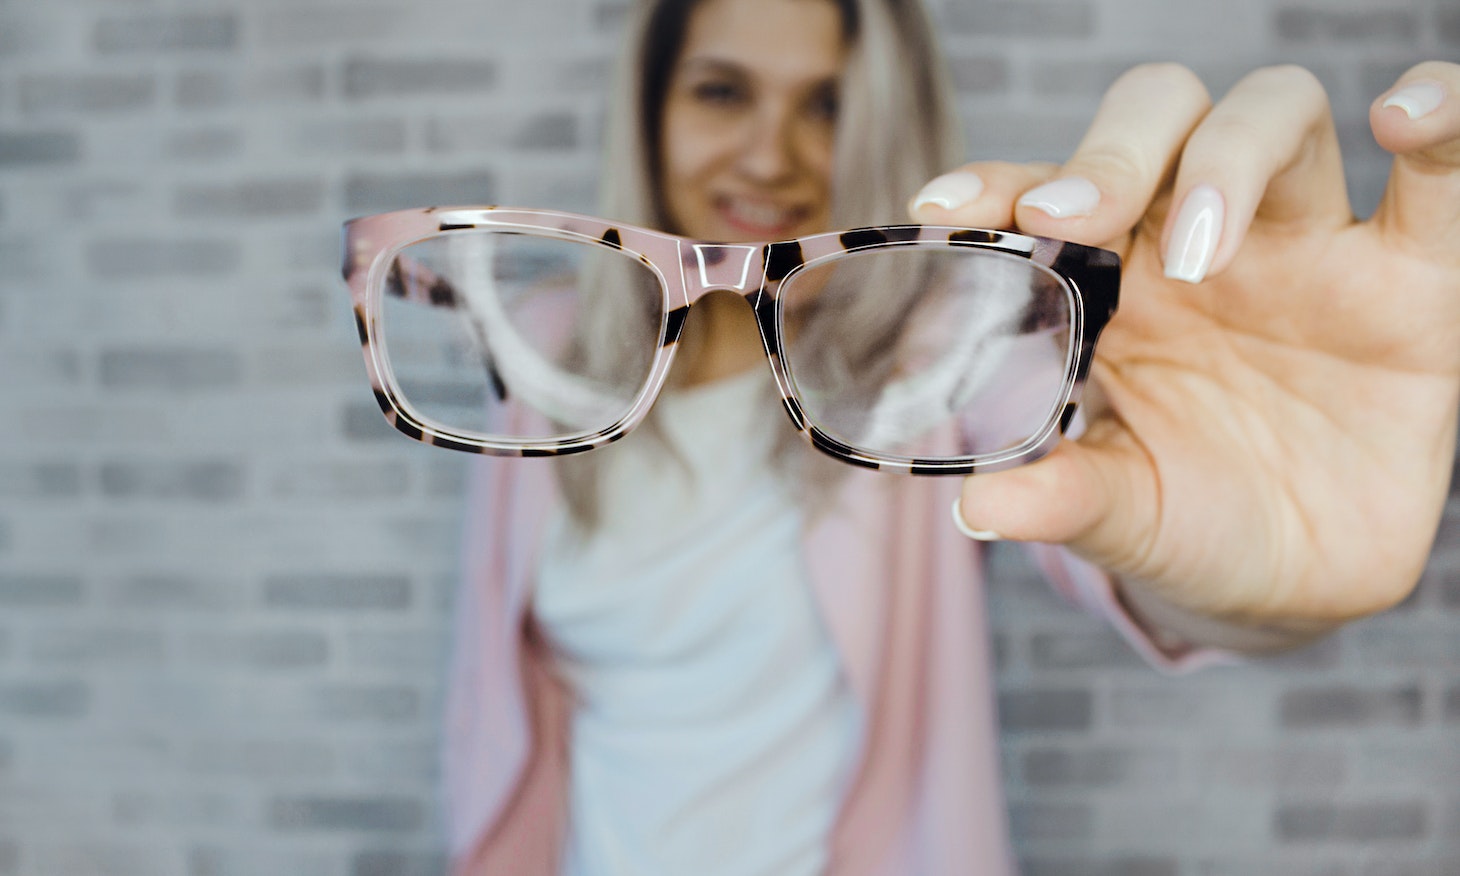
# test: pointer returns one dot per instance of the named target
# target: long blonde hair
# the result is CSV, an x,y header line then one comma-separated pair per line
x,y
896,129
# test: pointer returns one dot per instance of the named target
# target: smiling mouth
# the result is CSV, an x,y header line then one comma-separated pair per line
x,y
760,217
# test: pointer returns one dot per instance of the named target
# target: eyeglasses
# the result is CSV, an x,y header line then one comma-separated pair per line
x,y
919,349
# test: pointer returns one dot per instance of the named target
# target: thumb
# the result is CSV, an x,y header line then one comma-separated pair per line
x,y
1097,495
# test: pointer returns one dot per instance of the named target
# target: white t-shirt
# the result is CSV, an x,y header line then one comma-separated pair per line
x,y
713,729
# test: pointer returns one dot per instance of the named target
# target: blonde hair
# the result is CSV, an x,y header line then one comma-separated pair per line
x,y
896,129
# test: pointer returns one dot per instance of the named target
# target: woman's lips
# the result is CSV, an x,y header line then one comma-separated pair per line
x,y
760,218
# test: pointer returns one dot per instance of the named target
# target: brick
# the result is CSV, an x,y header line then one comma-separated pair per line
x,y
251,860
1275,863
980,74
1350,706
552,131
39,147
20,590
1045,19
150,592
1099,767
370,193
389,764
361,422
1414,643
1078,78
255,85
171,370
1036,710
1351,822
44,699
370,703
162,32
298,24
87,93
328,480
388,862
349,136
345,814
289,759
1076,649
254,199
106,646
1311,24
178,809
266,650
375,77
212,481
204,144
1281,767
40,480
338,592
1422,865
411,653
82,856
1133,866
126,258
1051,822
1447,22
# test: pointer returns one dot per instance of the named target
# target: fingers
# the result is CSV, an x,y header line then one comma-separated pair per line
x,y
1419,120
1105,190
1268,150
978,195
1126,157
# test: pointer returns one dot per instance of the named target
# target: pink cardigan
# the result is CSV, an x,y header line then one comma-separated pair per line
x,y
901,592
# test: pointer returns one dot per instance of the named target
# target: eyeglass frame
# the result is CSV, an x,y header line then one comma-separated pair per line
x,y
371,244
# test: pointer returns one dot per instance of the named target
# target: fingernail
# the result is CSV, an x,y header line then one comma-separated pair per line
x,y
949,191
1064,198
1418,99
1195,235
963,527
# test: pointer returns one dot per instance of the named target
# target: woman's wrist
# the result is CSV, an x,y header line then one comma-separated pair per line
x,y
1174,628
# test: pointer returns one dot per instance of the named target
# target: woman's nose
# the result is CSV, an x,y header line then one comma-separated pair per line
x,y
769,151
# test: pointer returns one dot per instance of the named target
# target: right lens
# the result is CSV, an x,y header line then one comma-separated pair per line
x,y
887,348
515,337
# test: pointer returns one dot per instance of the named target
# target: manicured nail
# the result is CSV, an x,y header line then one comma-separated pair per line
x,y
963,527
1064,198
1418,99
949,191
1195,235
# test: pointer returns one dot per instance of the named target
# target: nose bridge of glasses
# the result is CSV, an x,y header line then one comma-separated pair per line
x,y
711,266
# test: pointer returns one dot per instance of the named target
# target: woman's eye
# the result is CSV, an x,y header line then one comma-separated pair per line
x,y
824,104
719,93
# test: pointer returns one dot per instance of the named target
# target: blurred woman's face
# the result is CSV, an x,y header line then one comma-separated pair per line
x,y
749,119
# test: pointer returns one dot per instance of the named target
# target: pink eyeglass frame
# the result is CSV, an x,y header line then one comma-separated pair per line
x,y
688,269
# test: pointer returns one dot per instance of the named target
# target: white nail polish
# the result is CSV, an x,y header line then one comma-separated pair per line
x,y
1418,99
950,191
1065,198
1196,234
975,534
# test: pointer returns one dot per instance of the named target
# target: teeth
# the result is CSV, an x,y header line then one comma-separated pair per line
x,y
759,214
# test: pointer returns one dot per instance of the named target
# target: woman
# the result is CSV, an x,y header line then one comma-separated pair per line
x,y
633,694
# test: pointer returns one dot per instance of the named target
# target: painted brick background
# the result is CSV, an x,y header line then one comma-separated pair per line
x,y
225,588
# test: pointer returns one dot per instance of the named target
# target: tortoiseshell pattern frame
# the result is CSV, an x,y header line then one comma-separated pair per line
x,y
688,269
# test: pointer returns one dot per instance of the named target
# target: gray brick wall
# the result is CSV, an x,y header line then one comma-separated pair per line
x,y
225,587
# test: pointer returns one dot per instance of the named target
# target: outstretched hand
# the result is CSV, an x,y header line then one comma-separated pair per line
x,y
1276,425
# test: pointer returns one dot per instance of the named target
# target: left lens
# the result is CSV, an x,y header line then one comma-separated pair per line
x,y
918,352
